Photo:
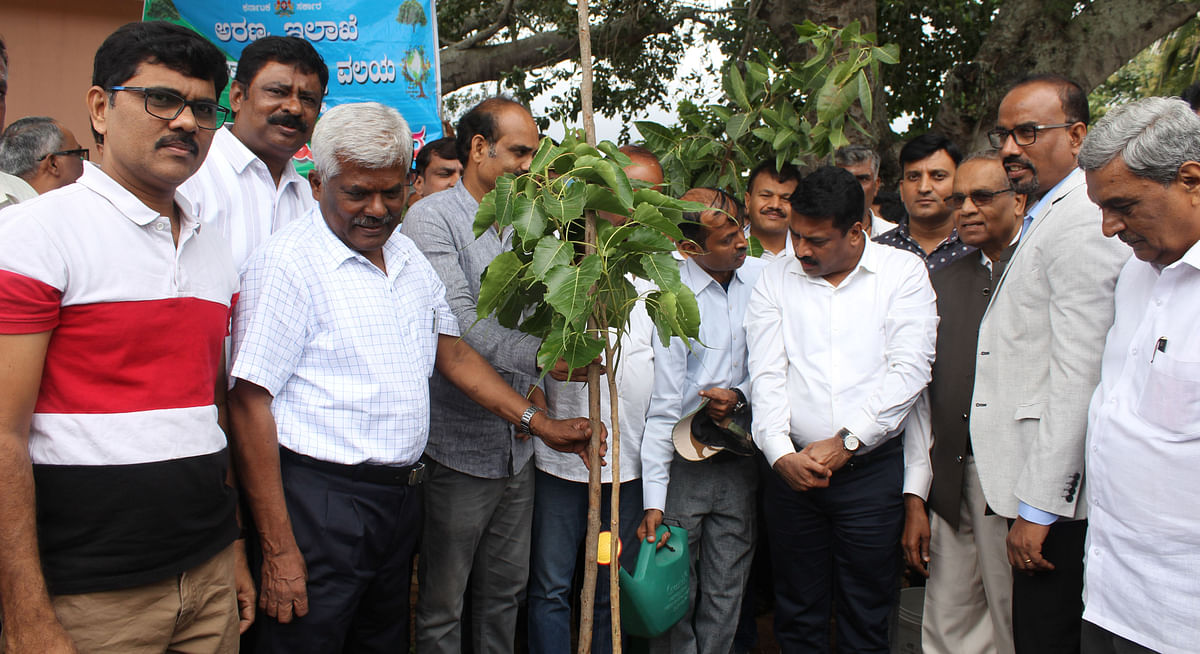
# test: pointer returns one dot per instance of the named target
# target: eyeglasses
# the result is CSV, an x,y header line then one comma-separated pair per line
x,y
82,153
167,105
978,198
1022,134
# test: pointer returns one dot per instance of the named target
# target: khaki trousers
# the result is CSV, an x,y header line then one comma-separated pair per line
x,y
968,598
191,613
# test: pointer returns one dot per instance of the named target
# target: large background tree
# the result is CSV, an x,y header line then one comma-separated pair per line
x,y
956,57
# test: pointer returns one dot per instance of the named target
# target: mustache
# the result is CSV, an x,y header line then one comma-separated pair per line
x,y
1020,161
186,140
288,120
373,221
1128,237
808,261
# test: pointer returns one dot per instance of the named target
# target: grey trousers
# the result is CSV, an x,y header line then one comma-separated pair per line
x,y
479,529
715,502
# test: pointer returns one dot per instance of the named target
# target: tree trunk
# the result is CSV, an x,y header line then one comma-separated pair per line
x,y
1029,36
587,606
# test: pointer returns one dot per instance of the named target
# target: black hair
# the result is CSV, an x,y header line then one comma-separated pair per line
x,y
693,227
1192,95
443,147
830,192
927,144
891,207
3,51
788,173
158,42
1070,94
289,50
481,120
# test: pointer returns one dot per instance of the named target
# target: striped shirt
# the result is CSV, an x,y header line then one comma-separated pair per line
x,y
234,193
345,349
128,460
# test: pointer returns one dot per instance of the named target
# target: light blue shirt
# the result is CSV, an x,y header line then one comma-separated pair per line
x,y
1044,204
718,360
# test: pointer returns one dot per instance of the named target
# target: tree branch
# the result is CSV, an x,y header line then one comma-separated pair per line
x,y
486,33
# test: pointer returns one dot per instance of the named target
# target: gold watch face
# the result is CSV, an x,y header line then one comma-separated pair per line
x,y
850,442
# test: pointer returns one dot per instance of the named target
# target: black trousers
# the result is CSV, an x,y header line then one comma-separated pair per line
x,y
838,542
358,539
1048,606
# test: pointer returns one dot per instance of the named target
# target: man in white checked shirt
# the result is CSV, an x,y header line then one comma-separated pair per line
x,y
247,188
339,325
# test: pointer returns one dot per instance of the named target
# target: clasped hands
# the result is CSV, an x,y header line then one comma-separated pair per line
x,y
813,466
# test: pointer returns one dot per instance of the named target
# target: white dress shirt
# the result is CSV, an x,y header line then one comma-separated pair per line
x,y
768,256
717,360
234,192
345,349
1143,461
824,357
880,225
568,399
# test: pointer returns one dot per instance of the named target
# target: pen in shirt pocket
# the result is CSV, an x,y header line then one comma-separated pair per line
x,y
1160,346
434,313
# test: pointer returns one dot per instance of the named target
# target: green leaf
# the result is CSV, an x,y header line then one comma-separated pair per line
x,y
505,200
721,112
568,287
618,299
553,345
765,134
735,87
688,313
738,125
546,153
616,180
583,149
649,215
529,218
662,269
888,54
601,199
500,280
564,199
580,348
538,323
754,247
609,148
658,137
662,306
485,216
781,139
864,94
549,253
635,238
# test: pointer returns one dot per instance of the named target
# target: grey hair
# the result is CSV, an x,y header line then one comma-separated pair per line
x,y
27,140
366,134
1154,137
852,155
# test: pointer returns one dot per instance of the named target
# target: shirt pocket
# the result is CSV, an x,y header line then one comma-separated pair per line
x,y
1171,397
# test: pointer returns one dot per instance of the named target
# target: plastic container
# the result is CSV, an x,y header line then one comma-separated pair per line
x,y
655,596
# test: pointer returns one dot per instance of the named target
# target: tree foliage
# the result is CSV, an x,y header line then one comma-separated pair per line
x,y
797,112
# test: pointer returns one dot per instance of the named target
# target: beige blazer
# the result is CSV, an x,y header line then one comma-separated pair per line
x,y
1038,359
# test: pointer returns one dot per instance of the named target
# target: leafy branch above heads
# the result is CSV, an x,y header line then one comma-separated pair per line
x,y
551,282
796,113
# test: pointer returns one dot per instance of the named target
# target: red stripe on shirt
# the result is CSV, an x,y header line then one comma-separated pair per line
x,y
121,357
27,306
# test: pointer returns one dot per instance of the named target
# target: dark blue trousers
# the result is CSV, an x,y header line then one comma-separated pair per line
x,y
358,539
838,543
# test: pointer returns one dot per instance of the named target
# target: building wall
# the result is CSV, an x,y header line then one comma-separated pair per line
x,y
50,48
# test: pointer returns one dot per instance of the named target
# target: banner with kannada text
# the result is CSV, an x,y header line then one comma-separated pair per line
x,y
377,50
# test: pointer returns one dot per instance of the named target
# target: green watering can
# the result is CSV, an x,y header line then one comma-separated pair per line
x,y
655,596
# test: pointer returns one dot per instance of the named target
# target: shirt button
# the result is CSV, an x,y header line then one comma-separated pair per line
x,y
958,459
159,226
964,416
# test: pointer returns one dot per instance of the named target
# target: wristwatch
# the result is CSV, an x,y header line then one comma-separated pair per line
x,y
741,401
527,417
850,442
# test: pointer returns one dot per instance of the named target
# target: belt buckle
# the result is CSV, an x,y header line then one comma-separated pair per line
x,y
417,474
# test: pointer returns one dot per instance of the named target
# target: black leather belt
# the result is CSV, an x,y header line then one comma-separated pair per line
x,y
887,449
369,472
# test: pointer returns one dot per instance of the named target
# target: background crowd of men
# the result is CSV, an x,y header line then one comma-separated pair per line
x,y
991,390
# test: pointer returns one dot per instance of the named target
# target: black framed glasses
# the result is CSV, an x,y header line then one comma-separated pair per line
x,y
82,153
1022,134
167,105
978,198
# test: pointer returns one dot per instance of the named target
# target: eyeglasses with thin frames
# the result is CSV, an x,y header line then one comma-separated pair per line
x,y
978,198
82,153
167,105
1022,134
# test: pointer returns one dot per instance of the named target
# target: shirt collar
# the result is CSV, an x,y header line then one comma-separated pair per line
x,y
337,253
1190,258
129,205
868,262
241,157
1070,181
701,279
